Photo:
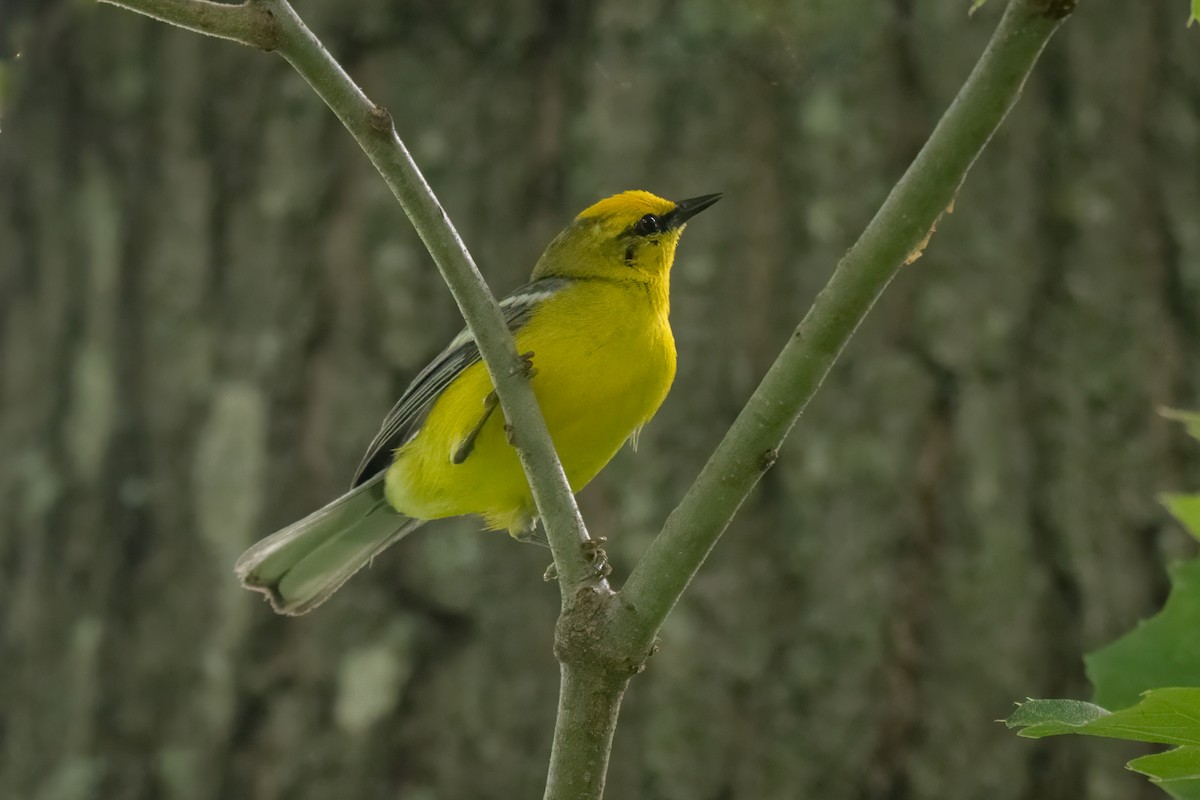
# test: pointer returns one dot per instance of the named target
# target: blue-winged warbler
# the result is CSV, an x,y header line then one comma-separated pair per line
x,y
594,318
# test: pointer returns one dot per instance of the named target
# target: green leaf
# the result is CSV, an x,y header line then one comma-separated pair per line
x,y
1038,718
1165,716
1190,419
1162,651
1195,16
1186,509
1130,673
1176,771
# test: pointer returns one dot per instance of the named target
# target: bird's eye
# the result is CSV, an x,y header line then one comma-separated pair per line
x,y
647,225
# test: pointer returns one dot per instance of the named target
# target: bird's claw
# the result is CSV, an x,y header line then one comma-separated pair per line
x,y
593,551
524,365
591,546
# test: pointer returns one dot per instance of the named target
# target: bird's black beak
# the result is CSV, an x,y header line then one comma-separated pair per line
x,y
686,209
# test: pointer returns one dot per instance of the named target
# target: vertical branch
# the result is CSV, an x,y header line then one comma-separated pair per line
x,y
588,702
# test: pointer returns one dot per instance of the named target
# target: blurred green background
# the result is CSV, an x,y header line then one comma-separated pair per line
x,y
208,300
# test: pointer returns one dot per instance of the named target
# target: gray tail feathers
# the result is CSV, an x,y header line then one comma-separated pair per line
x,y
299,567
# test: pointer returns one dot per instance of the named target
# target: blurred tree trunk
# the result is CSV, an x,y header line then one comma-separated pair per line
x,y
208,300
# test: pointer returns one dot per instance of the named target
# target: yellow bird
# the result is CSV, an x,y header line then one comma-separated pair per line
x,y
594,319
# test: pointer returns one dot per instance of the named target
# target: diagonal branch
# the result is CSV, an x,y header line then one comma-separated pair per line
x,y
247,23
274,25
896,236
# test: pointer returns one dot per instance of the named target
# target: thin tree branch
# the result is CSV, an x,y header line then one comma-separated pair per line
x,y
248,23
596,660
589,700
895,237
274,25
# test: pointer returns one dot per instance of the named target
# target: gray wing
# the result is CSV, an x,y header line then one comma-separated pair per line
x,y
404,421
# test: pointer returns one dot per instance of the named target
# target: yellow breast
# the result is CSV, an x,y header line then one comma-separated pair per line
x,y
605,359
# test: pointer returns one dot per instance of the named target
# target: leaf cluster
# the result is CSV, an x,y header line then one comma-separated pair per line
x,y
1151,676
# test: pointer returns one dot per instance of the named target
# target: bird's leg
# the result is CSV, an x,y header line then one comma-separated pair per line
x,y
593,551
524,367
468,443
530,534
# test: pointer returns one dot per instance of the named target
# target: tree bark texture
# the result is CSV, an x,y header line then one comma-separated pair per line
x,y
208,299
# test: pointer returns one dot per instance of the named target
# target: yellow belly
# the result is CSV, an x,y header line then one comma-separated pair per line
x,y
605,360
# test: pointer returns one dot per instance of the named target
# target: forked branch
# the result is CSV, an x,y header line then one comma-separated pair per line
x,y
894,237
604,638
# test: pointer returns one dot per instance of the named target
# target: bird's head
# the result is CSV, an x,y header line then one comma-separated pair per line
x,y
629,236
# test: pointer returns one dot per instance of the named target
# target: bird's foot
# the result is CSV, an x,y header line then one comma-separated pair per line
x,y
524,365
593,551
531,535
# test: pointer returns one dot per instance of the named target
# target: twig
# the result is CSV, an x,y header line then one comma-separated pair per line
x,y
274,25
248,23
